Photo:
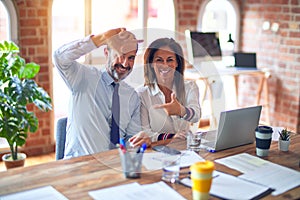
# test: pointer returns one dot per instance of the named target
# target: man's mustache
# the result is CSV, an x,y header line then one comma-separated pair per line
x,y
121,66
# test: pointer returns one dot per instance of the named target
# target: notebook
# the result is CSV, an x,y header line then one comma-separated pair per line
x,y
245,60
236,128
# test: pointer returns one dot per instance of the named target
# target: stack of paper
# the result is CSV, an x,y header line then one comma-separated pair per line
x,y
263,172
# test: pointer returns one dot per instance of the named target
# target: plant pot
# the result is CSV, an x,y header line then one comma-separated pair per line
x,y
10,163
283,145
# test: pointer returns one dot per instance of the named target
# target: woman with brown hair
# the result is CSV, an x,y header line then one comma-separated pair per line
x,y
168,102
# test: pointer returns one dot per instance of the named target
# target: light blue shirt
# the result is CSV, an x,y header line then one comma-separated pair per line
x,y
89,117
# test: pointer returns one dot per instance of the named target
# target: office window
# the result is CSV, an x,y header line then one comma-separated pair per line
x,y
3,22
161,16
67,24
8,21
220,16
3,36
8,31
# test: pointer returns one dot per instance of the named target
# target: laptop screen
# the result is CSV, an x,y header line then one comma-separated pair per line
x,y
247,60
236,128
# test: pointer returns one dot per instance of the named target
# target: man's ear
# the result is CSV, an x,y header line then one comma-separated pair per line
x,y
106,51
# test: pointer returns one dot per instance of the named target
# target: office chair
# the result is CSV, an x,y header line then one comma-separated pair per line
x,y
60,137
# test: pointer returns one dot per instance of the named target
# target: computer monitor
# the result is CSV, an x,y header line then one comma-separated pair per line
x,y
203,46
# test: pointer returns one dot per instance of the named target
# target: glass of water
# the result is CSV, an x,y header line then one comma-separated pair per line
x,y
194,141
170,167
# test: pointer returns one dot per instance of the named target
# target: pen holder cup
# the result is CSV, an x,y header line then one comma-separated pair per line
x,y
131,163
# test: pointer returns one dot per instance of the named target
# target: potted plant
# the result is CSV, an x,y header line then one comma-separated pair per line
x,y
17,91
284,140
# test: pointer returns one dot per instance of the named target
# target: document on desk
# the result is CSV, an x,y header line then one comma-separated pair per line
x,y
226,186
153,160
135,191
45,193
264,172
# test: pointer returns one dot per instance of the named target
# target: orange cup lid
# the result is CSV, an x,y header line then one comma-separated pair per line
x,y
203,166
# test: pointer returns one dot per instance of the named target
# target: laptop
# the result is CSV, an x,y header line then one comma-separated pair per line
x,y
245,60
236,128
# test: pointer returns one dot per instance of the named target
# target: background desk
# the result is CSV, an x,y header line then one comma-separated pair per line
x,y
211,74
75,177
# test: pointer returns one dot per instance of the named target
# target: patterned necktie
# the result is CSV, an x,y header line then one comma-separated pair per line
x,y
114,135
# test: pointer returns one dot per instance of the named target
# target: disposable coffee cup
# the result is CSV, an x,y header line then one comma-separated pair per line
x,y
201,176
263,137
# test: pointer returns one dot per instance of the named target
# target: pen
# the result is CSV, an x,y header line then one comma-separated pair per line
x,y
142,148
185,173
122,148
122,142
189,173
215,176
211,150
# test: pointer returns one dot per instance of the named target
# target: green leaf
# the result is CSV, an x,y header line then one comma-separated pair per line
x,y
9,47
20,139
29,70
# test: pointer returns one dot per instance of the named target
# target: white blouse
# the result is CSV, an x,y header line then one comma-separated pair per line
x,y
156,121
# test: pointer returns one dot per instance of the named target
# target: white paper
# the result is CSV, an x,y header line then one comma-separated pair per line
x,y
242,162
263,172
45,193
135,191
189,157
275,176
153,161
116,192
161,191
226,186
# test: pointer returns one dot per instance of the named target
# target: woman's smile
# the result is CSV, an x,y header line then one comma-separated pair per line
x,y
165,71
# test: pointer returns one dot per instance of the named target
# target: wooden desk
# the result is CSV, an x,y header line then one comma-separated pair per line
x,y
75,177
210,74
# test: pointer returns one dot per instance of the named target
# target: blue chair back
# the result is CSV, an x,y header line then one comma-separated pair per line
x,y
60,137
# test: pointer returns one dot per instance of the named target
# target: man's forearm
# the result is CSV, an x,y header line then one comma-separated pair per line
x,y
101,39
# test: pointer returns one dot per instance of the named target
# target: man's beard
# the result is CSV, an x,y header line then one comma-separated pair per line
x,y
115,75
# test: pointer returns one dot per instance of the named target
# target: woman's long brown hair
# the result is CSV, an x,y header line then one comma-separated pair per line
x,y
149,74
